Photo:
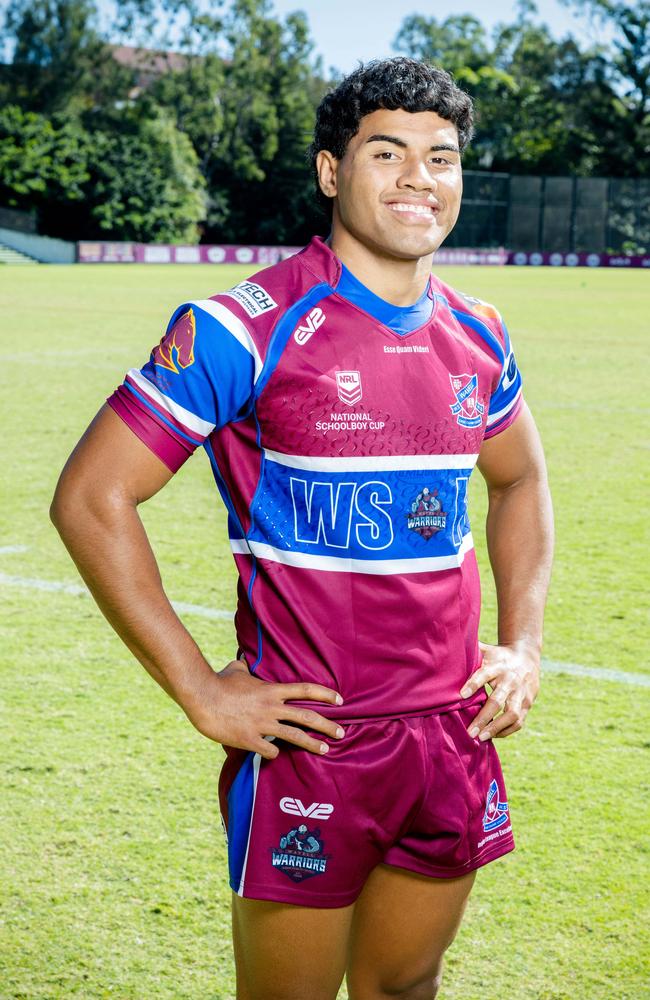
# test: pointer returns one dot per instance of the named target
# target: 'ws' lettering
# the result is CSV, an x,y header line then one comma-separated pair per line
x,y
325,514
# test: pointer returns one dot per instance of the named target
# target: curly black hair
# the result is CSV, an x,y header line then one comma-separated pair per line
x,y
396,83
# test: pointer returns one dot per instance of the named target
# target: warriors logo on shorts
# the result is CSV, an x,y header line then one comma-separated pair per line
x,y
300,854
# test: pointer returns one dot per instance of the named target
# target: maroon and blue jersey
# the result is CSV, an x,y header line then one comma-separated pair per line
x,y
341,438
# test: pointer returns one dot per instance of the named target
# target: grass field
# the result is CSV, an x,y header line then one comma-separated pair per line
x,y
113,871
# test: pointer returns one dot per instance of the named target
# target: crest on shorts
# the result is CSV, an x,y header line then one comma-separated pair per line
x,y
496,813
426,515
300,854
467,409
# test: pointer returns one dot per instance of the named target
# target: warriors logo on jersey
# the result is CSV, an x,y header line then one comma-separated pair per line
x,y
426,515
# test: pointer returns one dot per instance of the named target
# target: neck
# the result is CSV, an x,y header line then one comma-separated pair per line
x,y
400,281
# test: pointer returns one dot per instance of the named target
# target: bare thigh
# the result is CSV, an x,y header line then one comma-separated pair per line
x,y
287,952
402,925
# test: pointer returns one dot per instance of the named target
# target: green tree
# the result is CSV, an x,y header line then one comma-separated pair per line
x,y
40,160
627,127
246,99
541,103
142,183
60,63
145,183
268,99
460,45
77,149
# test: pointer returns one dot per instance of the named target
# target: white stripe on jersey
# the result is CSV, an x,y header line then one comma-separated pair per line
x,y
239,546
493,417
378,463
234,326
191,421
343,564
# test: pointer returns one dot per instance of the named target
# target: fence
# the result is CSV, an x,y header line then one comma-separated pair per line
x,y
554,214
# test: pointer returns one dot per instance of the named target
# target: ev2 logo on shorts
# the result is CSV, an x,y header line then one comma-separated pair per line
x,y
317,810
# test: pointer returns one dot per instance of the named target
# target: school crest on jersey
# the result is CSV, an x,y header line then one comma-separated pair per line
x,y
300,854
349,387
426,515
176,349
467,409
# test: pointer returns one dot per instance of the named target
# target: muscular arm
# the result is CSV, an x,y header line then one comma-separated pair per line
x,y
520,547
95,511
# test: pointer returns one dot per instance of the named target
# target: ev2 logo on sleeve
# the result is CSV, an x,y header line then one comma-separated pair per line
x,y
310,324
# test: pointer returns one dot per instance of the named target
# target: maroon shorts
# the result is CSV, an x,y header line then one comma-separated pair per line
x,y
415,793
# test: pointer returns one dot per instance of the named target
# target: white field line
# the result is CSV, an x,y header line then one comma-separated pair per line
x,y
6,550
76,590
600,673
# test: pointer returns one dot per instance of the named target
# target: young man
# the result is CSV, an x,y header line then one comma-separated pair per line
x,y
343,398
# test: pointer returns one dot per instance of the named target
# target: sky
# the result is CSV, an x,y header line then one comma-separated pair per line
x,y
348,30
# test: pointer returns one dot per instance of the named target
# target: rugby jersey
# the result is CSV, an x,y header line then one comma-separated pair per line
x,y
342,450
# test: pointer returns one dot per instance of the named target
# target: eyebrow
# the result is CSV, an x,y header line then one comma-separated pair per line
x,y
379,137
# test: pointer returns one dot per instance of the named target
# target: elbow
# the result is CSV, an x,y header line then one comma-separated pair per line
x,y
65,508
81,507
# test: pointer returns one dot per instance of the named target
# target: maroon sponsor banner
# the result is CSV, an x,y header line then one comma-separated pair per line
x,y
168,253
106,253
538,259
460,255
235,253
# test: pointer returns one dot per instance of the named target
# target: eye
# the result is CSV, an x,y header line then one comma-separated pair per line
x,y
387,154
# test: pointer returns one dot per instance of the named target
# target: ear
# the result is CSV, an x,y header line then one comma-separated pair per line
x,y
326,168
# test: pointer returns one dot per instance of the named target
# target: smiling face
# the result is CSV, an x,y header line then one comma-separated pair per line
x,y
398,187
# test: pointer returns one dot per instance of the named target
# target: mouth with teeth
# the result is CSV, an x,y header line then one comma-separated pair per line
x,y
414,211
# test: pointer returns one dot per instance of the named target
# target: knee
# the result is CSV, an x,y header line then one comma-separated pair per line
x,y
426,989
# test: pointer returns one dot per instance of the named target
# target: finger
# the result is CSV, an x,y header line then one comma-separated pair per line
x,y
473,683
312,720
309,692
492,707
265,749
300,739
517,727
479,679
503,721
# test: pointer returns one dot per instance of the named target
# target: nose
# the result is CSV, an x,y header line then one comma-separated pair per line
x,y
417,176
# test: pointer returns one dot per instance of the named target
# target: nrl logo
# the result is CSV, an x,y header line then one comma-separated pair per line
x,y
467,409
349,387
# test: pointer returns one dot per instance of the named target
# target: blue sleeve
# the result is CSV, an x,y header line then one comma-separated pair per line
x,y
199,377
506,399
